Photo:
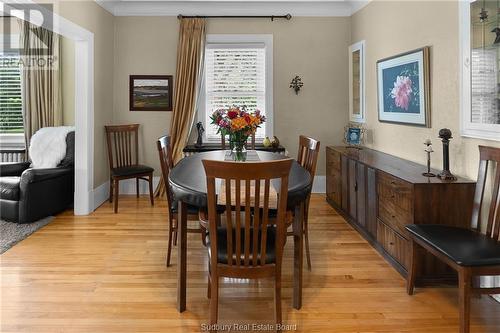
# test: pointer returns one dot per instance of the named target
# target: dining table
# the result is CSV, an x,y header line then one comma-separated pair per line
x,y
187,182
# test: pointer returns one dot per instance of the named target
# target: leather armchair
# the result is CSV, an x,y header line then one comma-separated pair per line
x,y
27,195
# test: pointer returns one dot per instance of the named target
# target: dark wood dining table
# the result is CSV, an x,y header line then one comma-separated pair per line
x,y
188,184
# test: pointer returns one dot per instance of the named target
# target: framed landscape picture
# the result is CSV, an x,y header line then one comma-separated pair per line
x,y
150,92
404,88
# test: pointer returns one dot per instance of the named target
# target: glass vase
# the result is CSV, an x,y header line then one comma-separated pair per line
x,y
237,143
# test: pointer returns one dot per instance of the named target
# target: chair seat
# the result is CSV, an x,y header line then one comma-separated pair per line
x,y
131,170
465,247
222,244
191,210
9,188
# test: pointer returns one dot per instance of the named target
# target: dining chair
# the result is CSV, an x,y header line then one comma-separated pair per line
x,y
166,163
307,157
247,245
468,251
123,155
224,146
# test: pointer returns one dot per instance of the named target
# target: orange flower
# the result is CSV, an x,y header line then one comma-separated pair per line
x,y
238,123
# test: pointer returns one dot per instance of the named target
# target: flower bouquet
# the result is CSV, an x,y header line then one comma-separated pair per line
x,y
239,125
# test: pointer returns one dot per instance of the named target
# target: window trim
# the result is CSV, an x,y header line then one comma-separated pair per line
x,y
361,118
13,140
267,40
468,128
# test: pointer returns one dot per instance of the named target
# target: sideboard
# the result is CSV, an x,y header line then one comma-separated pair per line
x,y
379,194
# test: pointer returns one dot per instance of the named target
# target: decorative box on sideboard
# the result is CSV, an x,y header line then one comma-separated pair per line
x,y
379,194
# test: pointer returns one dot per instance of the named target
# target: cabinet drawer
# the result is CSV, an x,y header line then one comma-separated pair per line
x,y
394,216
395,190
332,159
393,243
334,186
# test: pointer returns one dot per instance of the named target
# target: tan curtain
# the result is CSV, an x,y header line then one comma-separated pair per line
x,y
41,78
190,56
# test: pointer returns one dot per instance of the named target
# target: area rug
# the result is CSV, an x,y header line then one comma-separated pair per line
x,y
13,233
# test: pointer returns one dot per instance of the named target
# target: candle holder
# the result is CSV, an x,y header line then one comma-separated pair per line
x,y
445,135
428,149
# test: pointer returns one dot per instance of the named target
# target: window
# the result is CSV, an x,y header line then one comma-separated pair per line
x,y
11,108
480,79
238,72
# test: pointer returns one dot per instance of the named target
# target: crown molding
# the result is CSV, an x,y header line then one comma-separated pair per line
x,y
232,7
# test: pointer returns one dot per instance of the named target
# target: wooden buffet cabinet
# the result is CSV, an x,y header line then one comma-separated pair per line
x,y
379,194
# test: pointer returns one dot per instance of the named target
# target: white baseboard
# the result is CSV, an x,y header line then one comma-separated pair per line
x,y
101,193
319,185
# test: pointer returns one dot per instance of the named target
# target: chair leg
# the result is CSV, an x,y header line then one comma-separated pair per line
x,y
464,289
412,271
214,299
151,196
209,287
116,190
277,299
170,232
306,236
110,190
137,187
203,233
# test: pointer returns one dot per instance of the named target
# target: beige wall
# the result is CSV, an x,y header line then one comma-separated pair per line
x,y
389,29
313,48
94,18
68,81
143,45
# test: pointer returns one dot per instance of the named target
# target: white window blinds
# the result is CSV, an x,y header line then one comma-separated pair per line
x,y
484,86
235,75
11,116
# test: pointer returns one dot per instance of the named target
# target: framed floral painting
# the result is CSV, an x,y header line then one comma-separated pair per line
x,y
404,88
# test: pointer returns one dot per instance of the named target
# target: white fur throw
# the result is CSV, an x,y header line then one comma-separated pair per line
x,y
48,146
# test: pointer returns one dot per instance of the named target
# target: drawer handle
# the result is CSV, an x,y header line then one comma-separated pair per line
x,y
393,216
391,243
393,196
393,182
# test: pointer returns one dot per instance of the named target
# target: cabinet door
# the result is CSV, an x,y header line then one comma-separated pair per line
x,y
371,205
361,194
352,189
345,184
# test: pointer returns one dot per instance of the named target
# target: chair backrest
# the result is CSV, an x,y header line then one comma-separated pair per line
x,y
123,145
251,180
166,163
223,141
308,154
487,155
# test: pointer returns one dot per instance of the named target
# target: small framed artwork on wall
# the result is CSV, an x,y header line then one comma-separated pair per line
x,y
404,88
150,92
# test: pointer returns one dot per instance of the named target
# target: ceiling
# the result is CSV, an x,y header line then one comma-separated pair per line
x,y
232,7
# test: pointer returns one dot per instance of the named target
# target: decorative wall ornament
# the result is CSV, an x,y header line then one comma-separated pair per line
x,y
428,149
445,135
296,84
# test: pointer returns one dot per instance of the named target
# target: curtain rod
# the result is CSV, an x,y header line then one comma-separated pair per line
x,y
272,17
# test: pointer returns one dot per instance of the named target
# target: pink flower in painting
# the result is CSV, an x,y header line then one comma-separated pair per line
x,y
401,92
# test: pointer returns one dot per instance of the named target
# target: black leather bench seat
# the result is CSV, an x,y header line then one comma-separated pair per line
x,y
465,247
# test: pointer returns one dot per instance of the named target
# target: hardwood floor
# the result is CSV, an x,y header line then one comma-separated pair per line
x,y
106,273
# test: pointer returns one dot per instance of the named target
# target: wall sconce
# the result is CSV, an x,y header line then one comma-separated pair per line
x,y
296,84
